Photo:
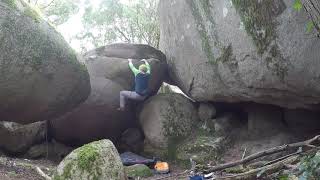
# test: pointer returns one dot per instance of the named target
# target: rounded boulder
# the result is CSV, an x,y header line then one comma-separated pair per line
x,y
40,76
98,116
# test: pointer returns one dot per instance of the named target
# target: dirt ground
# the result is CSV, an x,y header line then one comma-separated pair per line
x,y
23,169
174,170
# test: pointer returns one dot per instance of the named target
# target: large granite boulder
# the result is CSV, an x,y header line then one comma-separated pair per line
x,y
235,51
166,119
98,160
98,117
40,76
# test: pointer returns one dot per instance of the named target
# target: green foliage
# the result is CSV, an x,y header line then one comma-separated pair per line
x,y
309,167
57,12
310,27
314,22
297,5
60,11
11,3
113,21
32,14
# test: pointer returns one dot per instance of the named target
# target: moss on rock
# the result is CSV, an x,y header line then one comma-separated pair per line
x,y
86,157
138,170
197,8
258,18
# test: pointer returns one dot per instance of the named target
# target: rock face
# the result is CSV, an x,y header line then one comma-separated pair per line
x,y
40,76
95,161
109,73
235,51
167,117
16,138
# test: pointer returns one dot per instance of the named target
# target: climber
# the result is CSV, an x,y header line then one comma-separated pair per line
x,y
141,84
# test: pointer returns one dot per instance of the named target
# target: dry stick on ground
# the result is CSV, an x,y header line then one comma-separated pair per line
x,y
307,143
244,153
270,169
281,158
42,174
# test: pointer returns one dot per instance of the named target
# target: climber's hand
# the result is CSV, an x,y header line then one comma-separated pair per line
x,y
143,60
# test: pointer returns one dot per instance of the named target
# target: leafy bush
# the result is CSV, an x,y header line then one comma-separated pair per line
x,y
309,167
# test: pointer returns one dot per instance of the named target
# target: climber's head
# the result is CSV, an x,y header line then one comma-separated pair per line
x,y
143,68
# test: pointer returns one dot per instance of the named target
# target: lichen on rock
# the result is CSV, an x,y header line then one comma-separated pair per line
x,y
258,18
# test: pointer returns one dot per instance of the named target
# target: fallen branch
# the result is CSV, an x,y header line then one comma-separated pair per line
x,y
281,158
244,153
42,174
270,169
267,152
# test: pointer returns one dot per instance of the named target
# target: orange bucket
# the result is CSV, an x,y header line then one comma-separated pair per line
x,y
162,167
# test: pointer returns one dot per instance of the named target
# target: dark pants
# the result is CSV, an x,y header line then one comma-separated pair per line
x,y
124,95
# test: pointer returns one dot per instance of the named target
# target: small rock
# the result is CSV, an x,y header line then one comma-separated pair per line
x,y
138,170
54,151
17,138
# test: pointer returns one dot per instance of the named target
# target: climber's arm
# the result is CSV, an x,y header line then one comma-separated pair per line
x,y
133,69
148,65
